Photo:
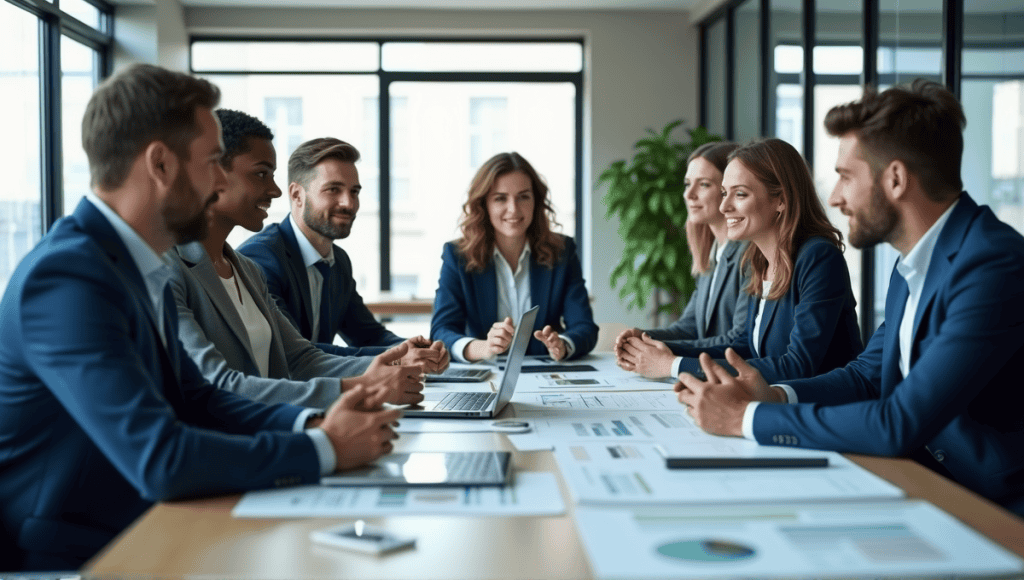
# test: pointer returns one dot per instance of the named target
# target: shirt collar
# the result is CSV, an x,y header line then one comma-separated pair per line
x,y
309,254
917,259
523,256
152,266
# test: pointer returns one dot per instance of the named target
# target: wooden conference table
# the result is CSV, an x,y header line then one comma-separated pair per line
x,y
200,539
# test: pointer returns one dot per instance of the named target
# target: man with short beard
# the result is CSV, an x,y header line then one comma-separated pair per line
x,y
310,276
939,380
101,411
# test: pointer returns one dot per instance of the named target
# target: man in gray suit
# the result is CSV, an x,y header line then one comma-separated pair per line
x,y
228,322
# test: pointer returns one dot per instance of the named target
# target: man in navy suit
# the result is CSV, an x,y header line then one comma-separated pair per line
x,y
938,380
309,275
101,413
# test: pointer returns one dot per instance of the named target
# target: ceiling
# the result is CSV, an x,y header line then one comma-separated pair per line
x,y
668,5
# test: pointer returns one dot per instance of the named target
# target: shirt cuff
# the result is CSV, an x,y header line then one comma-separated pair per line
x,y
324,450
459,347
790,394
570,346
300,422
675,366
748,420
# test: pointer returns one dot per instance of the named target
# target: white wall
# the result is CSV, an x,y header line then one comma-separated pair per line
x,y
642,73
153,33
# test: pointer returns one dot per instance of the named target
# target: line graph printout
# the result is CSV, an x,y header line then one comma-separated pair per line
x,y
622,472
874,540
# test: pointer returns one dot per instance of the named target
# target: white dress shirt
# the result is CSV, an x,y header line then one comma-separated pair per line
x,y
155,270
914,269
514,297
316,282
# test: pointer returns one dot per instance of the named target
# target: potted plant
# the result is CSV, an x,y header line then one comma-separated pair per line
x,y
646,194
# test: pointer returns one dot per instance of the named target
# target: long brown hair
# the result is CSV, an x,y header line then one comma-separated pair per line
x,y
784,173
477,241
699,237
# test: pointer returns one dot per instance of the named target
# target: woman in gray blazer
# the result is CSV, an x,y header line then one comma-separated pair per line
x,y
717,312
227,321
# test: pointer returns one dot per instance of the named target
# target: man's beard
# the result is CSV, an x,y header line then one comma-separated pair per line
x,y
186,228
877,223
324,226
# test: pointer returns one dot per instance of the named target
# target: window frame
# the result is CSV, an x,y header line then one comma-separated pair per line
x,y
386,78
53,25
952,45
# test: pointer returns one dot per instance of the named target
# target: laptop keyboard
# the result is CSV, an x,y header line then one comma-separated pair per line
x,y
465,401
475,466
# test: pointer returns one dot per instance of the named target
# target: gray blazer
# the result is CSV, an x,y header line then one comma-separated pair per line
x,y
214,335
728,307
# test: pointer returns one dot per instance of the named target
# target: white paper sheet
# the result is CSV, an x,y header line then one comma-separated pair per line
x,y
532,494
890,539
620,473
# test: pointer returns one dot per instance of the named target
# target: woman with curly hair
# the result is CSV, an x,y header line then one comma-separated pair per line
x,y
507,261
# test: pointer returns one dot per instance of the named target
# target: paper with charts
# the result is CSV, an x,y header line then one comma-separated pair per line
x,y
623,472
532,494
873,540
639,401
560,425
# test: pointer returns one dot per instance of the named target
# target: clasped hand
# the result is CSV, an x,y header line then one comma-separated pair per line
x,y
402,383
717,404
359,428
432,356
637,352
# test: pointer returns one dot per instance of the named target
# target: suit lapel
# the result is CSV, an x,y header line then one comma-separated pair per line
x,y
766,323
298,269
946,248
485,286
728,259
96,223
541,278
895,304
201,268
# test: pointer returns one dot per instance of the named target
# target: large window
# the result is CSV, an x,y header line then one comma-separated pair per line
x,y
450,105
814,61
53,54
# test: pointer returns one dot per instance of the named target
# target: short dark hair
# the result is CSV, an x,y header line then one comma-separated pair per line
x,y
236,129
921,125
307,156
141,104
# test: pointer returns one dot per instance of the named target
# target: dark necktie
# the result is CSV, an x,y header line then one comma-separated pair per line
x,y
324,334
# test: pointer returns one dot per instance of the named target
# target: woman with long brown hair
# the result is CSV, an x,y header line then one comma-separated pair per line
x,y
716,314
801,320
507,261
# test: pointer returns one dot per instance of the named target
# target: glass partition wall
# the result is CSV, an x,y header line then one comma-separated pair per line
x,y
818,53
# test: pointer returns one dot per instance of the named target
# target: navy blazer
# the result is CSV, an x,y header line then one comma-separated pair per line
x,y
98,419
725,320
466,303
810,330
276,251
962,398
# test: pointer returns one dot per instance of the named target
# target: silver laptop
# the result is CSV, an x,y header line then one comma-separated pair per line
x,y
482,405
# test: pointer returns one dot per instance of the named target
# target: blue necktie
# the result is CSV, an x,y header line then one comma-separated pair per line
x,y
324,334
